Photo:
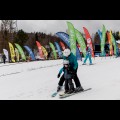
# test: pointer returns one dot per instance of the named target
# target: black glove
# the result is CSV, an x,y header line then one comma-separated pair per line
x,y
58,75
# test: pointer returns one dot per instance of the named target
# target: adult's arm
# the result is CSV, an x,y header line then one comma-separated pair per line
x,y
61,70
75,63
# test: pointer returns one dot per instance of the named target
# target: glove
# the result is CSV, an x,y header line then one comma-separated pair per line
x,y
58,75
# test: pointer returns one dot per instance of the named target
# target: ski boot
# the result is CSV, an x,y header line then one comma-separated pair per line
x,y
66,91
59,88
71,91
84,64
79,89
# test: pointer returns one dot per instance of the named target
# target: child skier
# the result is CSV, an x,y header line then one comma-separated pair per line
x,y
68,75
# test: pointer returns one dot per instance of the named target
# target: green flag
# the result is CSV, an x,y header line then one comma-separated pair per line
x,y
20,51
17,54
114,43
72,35
81,41
53,49
103,41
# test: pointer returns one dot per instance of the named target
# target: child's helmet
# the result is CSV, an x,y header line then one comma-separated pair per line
x,y
66,52
65,62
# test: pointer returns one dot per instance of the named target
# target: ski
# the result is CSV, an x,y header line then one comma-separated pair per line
x,y
54,94
63,95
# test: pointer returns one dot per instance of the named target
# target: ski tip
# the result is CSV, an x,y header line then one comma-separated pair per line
x,y
87,89
54,94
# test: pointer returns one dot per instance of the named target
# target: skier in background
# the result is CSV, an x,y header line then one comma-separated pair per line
x,y
49,55
4,58
88,55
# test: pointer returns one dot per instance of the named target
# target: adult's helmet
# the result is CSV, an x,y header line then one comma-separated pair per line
x,y
66,52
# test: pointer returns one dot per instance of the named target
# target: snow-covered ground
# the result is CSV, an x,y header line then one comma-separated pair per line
x,y
38,80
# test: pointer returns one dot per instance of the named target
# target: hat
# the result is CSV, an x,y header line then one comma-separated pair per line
x,y
66,52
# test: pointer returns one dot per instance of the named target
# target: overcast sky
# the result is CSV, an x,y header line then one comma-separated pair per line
x,y
53,26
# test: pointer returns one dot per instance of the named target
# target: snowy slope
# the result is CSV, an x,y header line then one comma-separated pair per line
x,y
37,80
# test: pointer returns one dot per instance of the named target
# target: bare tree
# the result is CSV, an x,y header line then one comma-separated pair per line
x,y
5,25
9,25
8,29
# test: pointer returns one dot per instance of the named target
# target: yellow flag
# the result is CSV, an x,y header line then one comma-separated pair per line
x,y
12,52
45,52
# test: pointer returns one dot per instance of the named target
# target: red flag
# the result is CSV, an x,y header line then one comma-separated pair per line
x,y
62,45
40,49
110,43
89,40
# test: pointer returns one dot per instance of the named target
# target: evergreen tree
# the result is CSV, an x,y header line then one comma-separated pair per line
x,y
21,38
36,36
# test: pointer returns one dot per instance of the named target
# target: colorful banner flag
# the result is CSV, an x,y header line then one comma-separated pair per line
x,y
21,51
81,42
79,47
40,49
6,54
31,54
59,50
72,36
53,49
114,43
103,41
100,34
110,42
45,52
89,40
62,45
12,52
65,37
17,55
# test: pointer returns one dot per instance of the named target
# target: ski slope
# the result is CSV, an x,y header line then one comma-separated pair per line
x,y
38,80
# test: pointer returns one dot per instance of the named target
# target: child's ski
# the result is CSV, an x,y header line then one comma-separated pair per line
x,y
54,94
63,95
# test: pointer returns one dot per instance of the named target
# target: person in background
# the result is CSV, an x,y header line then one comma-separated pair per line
x,y
49,54
4,58
88,55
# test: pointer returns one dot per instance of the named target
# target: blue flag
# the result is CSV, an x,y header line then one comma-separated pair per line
x,y
100,34
65,38
59,50
30,52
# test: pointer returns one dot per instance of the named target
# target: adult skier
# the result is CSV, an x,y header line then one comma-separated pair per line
x,y
88,55
73,64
